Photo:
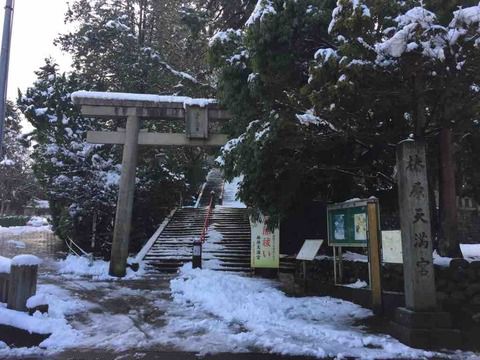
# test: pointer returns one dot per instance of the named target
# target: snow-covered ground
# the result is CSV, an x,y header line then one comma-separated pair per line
x,y
35,224
230,194
203,311
470,252
80,266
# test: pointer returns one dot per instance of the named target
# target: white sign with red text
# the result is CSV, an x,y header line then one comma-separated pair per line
x,y
265,245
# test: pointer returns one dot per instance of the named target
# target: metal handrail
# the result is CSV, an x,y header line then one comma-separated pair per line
x,y
207,220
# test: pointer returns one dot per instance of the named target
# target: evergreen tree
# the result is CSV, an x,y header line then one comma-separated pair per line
x,y
17,185
135,46
209,16
125,46
81,179
401,67
332,92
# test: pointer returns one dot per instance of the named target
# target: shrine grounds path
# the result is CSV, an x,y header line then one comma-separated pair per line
x,y
195,314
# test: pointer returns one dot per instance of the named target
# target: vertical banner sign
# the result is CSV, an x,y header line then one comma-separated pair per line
x,y
265,245
415,226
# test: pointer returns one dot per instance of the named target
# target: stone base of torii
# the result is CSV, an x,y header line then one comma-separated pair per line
x,y
201,117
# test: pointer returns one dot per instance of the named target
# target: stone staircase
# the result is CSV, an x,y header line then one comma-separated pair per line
x,y
227,246
228,241
214,183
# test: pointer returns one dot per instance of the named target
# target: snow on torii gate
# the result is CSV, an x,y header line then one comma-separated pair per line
x,y
200,116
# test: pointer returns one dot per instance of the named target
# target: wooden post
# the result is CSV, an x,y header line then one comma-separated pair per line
x,y
374,254
5,265
123,218
23,281
415,225
4,279
197,255
338,265
448,244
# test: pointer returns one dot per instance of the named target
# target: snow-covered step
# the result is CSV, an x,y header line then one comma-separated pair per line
x,y
227,246
214,183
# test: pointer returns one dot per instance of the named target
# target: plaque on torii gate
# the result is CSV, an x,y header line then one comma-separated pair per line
x,y
199,116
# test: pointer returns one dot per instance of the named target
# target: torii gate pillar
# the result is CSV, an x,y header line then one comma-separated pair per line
x,y
126,192
134,107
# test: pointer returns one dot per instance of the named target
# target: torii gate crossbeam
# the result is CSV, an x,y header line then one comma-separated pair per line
x,y
197,114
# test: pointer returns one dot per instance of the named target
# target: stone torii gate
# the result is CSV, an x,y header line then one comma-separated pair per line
x,y
201,116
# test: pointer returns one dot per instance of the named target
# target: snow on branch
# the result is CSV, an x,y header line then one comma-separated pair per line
x,y
403,39
357,6
7,162
180,74
155,55
467,16
309,118
326,54
263,8
224,36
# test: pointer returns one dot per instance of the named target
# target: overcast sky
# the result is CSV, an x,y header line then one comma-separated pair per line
x,y
35,24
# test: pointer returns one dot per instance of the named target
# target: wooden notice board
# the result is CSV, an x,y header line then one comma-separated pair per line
x,y
348,224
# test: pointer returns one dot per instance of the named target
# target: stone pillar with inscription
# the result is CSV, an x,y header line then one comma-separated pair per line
x,y
415,224
419,323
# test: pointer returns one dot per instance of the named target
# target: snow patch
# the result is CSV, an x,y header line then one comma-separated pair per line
x,y
37,221
230,193
308,119
79,95
359,284
17,244
60,305
22,230
471,251
251,313
41,204
26,260
441,260
37,300
80,266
